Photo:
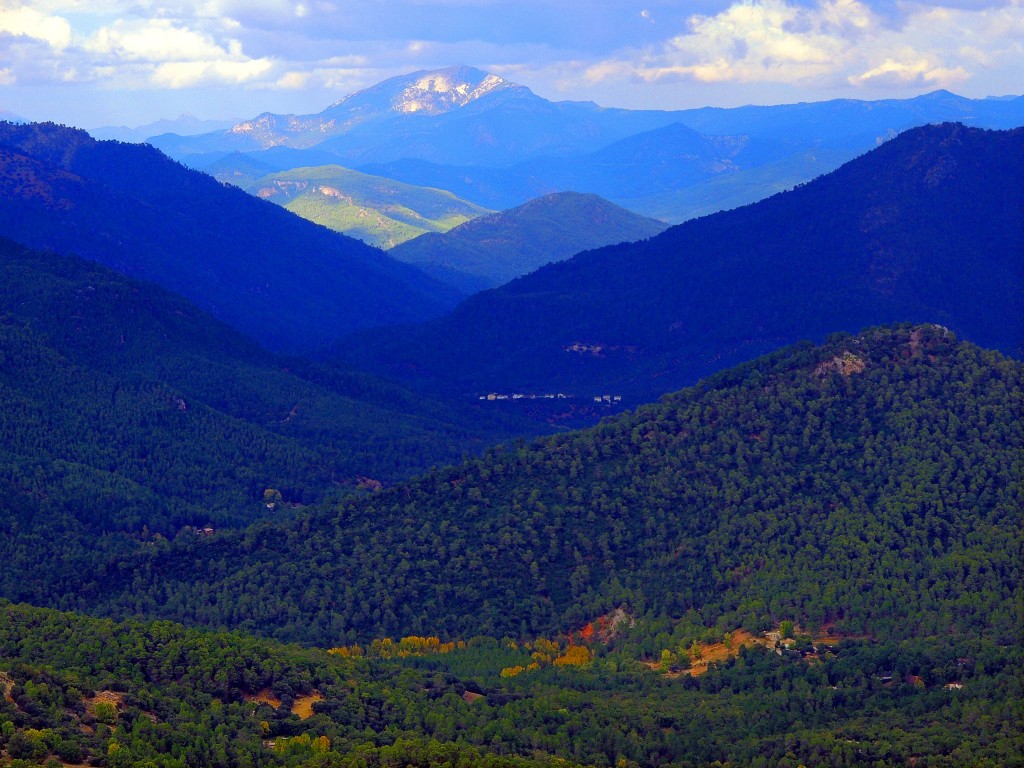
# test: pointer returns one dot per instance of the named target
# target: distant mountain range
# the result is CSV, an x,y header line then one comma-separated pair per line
x,y
286,282
708,160
929,226
379,211
454,115
499,145
183,125
491,250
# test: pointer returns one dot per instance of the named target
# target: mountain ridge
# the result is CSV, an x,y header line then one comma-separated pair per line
x,y
379,211
858,246
129,416
499,247
138,333
509,145
285,281
749,153
497,126
185,124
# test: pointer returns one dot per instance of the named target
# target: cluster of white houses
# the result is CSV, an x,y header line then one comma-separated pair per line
x,y
520,396
492,396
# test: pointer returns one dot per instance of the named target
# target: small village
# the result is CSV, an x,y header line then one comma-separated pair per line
x,y
495,396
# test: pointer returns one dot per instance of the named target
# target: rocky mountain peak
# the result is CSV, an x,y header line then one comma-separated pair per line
x,y
430,92
438,92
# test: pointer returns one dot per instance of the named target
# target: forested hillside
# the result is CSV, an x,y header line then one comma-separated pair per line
x,y
89,691
929,227
126,410
502,246
873,483
379,211
282,280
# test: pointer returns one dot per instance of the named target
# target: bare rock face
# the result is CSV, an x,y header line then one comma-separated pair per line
x,y
435,93
845,364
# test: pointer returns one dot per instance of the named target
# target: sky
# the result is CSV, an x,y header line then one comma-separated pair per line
x,y
93,63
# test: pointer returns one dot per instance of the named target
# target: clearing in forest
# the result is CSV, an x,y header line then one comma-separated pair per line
x,y
303,706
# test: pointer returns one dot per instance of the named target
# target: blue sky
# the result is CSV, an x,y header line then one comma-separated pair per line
x,y
113,62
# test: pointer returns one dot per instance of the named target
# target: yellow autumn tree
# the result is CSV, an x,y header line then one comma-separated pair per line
x,y
347,651
575,655
419,646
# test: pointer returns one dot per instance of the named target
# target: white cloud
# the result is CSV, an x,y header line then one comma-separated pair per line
x,y
909,70
28,22
638,53
293,80
943,47
751,41
158,40
169,54
188,74
833,43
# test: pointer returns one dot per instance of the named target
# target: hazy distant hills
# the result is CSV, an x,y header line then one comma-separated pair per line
x,y
184,125
710,159
410,220
235,168
665,160
784,488
497,248
499,145
286,282
465,116
376,210
845,122
929,226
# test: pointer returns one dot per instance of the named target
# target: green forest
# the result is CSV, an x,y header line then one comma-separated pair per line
x,y
90,691
129,416
873,483
810,559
